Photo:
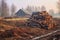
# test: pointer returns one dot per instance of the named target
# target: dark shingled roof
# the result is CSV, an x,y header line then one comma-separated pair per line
x,y
20,13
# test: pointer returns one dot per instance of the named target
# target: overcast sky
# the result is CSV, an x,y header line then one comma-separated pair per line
x,y
49,4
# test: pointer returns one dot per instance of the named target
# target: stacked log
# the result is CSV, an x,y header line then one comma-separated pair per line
x,y
42,20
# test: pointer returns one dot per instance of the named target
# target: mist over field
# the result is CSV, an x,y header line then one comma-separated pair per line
x,y
29,6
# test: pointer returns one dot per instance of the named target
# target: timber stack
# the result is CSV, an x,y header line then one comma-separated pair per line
x,y
42,20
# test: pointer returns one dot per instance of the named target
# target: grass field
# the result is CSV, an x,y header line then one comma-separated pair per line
x,y
16,19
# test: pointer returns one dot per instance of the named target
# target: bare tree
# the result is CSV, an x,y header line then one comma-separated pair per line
x,y
32,9
29,8
13,9
5,9
43,8
58,6
51,12
0,10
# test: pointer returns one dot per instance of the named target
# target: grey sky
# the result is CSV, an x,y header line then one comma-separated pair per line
x,y
49,4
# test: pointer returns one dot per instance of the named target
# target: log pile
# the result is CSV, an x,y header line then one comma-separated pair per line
x,y
42,20
28,34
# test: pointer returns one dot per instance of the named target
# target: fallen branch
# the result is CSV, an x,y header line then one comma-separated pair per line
x,y
45,35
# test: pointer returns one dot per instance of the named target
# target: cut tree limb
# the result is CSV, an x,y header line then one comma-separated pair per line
x,y
45,35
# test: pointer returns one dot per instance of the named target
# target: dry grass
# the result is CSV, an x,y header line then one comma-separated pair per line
x,y
21,33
